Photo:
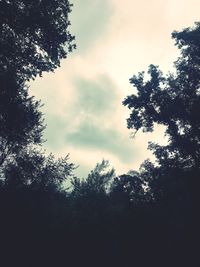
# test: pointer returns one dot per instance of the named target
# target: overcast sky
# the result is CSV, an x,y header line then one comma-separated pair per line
x,y
115,39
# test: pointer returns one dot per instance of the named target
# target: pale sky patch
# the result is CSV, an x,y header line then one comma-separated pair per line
x,y
83,98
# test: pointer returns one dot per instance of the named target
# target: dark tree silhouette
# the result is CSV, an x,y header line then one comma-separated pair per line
x,y
34,36
97,181
34,169
21,122
172,101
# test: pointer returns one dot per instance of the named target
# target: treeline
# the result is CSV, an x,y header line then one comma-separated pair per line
x,y
48,217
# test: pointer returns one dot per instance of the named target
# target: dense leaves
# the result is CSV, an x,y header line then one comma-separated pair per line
x,y
34,36
21,122
34,169
172,101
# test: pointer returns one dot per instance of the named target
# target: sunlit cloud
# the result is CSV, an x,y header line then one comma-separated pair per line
x,y
83,99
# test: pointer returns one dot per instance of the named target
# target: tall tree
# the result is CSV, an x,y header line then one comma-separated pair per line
x,y
173,101
34,169
21,122
34,36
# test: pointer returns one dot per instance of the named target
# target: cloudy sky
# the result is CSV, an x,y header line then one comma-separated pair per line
x,y
115,39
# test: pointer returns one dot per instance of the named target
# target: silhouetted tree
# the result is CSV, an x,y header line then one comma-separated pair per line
x,y
173,100
132,187
21,122
34,36
97,181
34,169
89,203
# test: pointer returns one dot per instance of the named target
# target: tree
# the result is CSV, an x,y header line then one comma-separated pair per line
x,y
34,36
173,101
89,214
21,122
97,182
130,188
34,169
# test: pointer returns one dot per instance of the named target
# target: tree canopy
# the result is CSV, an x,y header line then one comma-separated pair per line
x,y
173,101
34,36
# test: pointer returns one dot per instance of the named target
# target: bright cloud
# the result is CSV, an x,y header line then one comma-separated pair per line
x,y
115,39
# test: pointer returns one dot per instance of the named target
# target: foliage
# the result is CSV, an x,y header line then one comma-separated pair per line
x,y
97,181
130,187
34,36
172,101
34,169
21,122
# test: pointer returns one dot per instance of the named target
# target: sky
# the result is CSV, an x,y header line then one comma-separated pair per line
x,y
83,98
